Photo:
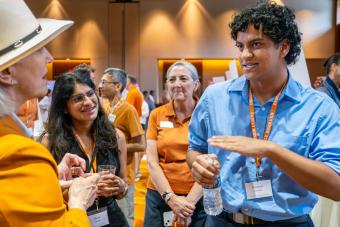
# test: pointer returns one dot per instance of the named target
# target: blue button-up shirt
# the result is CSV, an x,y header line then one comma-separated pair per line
x,y
306,122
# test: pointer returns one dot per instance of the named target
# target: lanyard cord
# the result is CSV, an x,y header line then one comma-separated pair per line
x,y
269,123
85,149
112,109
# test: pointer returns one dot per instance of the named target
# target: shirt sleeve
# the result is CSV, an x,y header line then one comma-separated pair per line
x,y
135,127
32,169
198,127
325,145
151,132
76,218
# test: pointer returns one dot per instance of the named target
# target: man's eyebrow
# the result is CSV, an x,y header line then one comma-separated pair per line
x,y
256,39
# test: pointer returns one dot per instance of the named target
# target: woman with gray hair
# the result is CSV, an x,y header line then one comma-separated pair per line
x,y
30,191
172,191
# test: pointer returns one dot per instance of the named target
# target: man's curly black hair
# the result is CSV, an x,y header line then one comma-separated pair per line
x,y
276,22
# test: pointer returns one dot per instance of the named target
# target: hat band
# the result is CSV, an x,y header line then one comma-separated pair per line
x,y
21,42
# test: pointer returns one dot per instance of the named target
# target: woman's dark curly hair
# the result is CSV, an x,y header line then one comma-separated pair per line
x,y
59,127
276,22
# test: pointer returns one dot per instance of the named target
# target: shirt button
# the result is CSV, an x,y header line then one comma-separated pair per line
x,y
263,109
245,209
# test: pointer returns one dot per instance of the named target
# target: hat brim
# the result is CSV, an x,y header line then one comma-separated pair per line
x,y
51,28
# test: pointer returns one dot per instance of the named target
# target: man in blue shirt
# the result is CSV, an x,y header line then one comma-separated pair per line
x,y
331,86
273,142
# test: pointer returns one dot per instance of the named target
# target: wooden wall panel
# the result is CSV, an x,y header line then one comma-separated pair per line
x,y
123,42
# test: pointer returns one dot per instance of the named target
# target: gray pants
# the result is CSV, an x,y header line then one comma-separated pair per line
x,y
155,207
127,205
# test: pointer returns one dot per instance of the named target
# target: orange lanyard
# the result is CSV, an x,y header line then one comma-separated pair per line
x,y
112,109
87,151
269,123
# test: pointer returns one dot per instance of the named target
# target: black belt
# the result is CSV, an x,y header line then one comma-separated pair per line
x,y
240,218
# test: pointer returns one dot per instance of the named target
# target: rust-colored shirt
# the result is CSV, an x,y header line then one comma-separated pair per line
x,y
135,98
127,120
28,112
171,135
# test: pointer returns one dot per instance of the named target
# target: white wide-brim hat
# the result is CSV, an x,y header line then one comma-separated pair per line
x,y
21,33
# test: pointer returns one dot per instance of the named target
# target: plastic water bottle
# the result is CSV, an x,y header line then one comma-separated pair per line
x,y
212,200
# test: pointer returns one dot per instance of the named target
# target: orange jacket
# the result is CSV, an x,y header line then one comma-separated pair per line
x,y
30,194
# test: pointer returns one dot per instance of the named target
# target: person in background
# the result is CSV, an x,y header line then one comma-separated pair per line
x,y
171,186
331,85
42,112
44,106
145,114
318,82
151,105
86,67
152,96
28,114
30,190
149,100
273,143
134,96
143,121
124,117
78,124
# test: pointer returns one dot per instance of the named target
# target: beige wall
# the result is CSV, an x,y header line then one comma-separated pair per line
x,y
87,38
174,29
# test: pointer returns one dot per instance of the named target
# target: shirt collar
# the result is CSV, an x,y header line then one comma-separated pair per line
x,y
291,91
331,83
22,126
170,111
240,84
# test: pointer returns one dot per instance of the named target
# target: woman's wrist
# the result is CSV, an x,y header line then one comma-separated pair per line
x,y
124,190
170,198
193,199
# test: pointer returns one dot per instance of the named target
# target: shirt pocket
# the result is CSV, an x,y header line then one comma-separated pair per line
x,y
297,144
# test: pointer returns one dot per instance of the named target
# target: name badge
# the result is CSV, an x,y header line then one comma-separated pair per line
x,y
259,189
111,118
166,124
98,217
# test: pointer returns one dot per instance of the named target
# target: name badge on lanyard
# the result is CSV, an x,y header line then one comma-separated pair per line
x,y
259,189
98,217
111,117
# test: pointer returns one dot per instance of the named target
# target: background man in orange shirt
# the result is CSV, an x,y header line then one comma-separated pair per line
x,y
124,117
134,96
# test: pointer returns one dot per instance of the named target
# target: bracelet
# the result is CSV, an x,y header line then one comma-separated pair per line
x,y
126,189
166,196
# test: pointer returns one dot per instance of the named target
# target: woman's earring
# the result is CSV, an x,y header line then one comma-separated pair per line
x,y
13,82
